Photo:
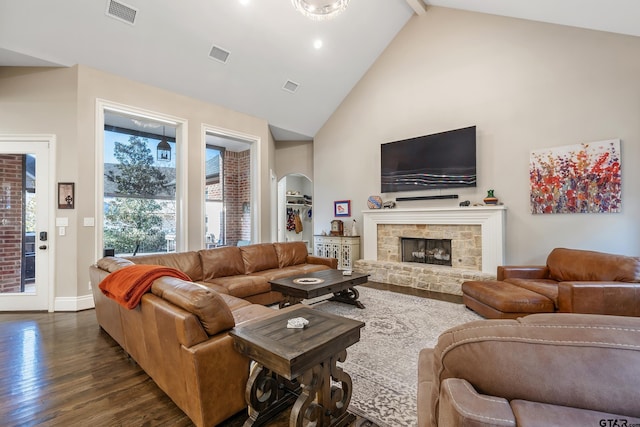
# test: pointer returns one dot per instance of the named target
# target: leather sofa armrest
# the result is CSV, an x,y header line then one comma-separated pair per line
x,y
425,387
613,298
214,314
522,272
461,406
111,264
329,262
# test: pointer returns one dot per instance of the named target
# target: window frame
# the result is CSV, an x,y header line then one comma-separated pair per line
x,y
181,150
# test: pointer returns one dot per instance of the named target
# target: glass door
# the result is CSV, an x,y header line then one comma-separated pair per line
x,y
24,239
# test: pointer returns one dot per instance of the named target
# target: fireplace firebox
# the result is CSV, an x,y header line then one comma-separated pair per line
x,y
427,251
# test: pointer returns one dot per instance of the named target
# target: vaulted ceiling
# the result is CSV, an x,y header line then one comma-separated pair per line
x,y
269,45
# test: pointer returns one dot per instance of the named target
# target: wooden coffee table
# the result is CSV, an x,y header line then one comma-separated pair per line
x,y
300,365
311,285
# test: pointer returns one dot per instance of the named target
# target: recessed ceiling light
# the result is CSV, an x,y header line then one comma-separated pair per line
x,y
317,43
244,2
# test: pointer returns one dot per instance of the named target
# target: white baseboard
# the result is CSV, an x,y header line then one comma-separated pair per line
x,y
83,302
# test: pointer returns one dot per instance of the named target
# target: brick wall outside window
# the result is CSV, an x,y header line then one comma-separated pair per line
x,y
11,204
237,189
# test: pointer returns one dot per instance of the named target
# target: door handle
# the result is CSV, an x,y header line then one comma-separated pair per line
x,y
42,247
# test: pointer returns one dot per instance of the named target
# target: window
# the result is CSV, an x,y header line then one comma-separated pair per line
x,y
139,185
228,189
213,197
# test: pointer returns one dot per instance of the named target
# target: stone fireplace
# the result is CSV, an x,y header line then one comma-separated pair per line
x,y
464,242
477,245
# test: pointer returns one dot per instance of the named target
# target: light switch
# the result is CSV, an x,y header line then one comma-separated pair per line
x,y
89,222
62,231
62,222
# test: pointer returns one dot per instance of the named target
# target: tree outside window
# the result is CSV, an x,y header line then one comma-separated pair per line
x,y
139,199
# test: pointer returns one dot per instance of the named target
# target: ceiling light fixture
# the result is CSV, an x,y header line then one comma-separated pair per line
x,y
319,10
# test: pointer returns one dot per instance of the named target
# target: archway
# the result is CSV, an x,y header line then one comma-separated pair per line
x,y
295,209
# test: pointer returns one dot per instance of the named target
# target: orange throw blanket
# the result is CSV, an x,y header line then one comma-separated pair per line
x,y
128,284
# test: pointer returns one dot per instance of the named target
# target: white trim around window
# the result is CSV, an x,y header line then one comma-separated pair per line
x,y
182,204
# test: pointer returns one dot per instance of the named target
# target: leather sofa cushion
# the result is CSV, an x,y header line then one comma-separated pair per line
x,y
221,262
234,303
536,414
219,289
187,262
293,270
112,264
261,256
252,312
508,298
579,265
206,304
546,287
291,253
244,285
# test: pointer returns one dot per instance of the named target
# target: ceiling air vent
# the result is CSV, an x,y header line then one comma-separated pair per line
x,y
290,86
121,12
219,54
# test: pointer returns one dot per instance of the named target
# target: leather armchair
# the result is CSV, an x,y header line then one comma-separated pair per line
x,y
572,281
539,370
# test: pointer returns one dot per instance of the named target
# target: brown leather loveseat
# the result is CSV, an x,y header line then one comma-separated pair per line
x,y
179,332
540,370
572,281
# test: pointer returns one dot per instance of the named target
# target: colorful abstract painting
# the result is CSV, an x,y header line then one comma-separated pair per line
x,y
581,178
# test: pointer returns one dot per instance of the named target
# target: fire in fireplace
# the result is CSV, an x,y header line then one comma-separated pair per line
x,y
427,251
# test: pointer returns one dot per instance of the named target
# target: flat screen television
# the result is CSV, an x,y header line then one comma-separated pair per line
x,y
440,160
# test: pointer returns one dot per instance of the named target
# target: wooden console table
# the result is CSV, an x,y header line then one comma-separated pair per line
x,y
292,361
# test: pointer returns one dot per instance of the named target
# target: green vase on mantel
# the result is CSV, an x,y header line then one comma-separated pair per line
x,y
490,199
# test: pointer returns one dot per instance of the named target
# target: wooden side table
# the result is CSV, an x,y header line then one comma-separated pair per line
x,y
304,361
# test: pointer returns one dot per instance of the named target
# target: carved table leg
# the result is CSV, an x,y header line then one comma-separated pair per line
x,y
320,403
348,296
267,394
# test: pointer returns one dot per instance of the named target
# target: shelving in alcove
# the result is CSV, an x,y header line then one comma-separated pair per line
x,y
292,190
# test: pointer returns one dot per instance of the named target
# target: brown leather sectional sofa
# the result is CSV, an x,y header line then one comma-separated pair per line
x,y
572,281
540,370
179,332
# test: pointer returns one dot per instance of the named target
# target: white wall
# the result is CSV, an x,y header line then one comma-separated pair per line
x,y
526,86
294,157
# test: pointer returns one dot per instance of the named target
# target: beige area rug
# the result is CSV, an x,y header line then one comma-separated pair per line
x,y
383,365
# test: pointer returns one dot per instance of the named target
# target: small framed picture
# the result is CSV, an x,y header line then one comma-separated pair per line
x,y
66,195
342,208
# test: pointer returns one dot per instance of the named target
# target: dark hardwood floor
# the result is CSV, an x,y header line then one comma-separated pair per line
x,y
62,369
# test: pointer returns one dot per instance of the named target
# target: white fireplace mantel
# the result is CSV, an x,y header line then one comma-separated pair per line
x,y
490,218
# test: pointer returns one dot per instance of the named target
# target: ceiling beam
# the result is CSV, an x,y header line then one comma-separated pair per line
x,y
418,6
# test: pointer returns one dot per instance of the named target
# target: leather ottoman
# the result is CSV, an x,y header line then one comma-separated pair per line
x,y
501,300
